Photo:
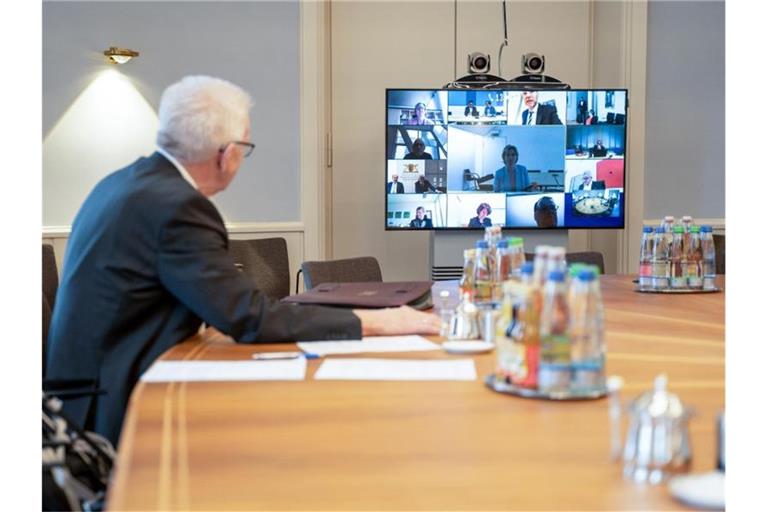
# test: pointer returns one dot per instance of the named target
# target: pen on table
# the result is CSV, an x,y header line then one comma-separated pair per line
x,y
274,356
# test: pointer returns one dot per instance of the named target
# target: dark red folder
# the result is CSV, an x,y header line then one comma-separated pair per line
x,y
368,295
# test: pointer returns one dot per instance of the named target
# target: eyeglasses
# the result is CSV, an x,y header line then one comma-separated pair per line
x,y
248,145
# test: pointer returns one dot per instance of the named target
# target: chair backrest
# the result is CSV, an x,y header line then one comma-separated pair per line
x,y
50,275
265,261
719,253
352,270
589,257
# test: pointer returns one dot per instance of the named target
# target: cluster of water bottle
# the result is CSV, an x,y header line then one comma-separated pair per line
x,y
677,256
545,317
549,336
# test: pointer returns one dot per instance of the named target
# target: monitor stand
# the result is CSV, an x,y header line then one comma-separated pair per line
x,y
446,248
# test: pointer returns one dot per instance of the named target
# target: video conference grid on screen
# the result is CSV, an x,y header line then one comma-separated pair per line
x,y
511,158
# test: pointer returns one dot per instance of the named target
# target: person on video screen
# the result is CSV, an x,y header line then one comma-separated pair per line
x,y
598,149
588,184
418,151
420,115
394,186
421,222
581,108
482,220
536,113
471,110
591,119
545,212
490,110
423,185
513,177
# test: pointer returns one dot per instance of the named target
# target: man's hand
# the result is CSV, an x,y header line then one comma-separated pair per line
x,y
394,321
533,186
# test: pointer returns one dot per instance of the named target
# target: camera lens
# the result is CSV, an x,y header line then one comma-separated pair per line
x,y
534,63
480,62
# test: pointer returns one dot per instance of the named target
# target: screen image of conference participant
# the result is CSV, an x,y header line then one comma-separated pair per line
x,y
473,210
416,176
416,211
535,108
594,174
597,107
598,208
477,107
417,142
512,159
601,141
535,211
416,108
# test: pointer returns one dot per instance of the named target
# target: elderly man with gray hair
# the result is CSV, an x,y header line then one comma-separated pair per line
x,y
147,262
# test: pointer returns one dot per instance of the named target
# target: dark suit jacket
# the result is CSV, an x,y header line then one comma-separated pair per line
x,y
546,114
596,185
427,224
400,188
474,222
146,261
423,189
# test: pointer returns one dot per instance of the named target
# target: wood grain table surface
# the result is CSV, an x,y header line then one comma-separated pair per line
x,y
365,445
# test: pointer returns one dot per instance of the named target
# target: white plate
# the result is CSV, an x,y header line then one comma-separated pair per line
x,y
467,347
703,490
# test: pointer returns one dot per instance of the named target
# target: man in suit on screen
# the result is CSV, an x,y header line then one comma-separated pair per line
x,y
147,262
536,113
394,186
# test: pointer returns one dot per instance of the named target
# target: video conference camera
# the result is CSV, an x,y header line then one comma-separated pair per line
x,y
533,77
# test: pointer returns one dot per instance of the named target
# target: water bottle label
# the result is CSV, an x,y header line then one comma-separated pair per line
x,y
645,270
660,283
679,282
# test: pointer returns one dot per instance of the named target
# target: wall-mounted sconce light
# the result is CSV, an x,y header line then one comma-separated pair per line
x,y
120,55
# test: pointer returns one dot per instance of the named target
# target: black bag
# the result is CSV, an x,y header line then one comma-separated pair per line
x,y
76,464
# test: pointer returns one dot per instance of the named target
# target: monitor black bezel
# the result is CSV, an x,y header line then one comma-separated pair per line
x,y
510,228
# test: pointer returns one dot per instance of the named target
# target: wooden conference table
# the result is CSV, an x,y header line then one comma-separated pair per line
x,y
355,445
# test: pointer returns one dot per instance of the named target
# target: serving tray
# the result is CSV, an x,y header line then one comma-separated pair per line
x,y
511,389
678,290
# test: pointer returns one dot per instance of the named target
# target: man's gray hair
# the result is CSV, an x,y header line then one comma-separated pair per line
x,y
199,114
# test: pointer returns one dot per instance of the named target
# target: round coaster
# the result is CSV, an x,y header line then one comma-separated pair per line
x,y
703,490
467,347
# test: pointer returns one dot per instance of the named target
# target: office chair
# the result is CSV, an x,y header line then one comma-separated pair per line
x,y
265,261
610,118
351,270
50,275
719,253
475,181
588,257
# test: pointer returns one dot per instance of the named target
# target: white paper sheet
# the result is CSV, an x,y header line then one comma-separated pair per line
x,y
369,344
191,371
396,369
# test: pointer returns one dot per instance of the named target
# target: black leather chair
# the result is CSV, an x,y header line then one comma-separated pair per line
x,y
266,262
588,257
351,270
50,285
719,253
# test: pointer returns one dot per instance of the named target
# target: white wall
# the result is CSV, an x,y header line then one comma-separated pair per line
x,y
254,44
685,131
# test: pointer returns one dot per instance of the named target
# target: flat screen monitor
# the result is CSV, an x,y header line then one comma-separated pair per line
x,y
473,158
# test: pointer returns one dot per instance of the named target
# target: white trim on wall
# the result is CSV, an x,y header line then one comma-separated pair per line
x,y
634,50
312,112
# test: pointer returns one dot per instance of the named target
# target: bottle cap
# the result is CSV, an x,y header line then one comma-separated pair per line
x,y
647,229
695,229
481,244
542,250
706,229
515,241
527,268
502,244
678,229
659,229
586,275
687,218
557,276
575,268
